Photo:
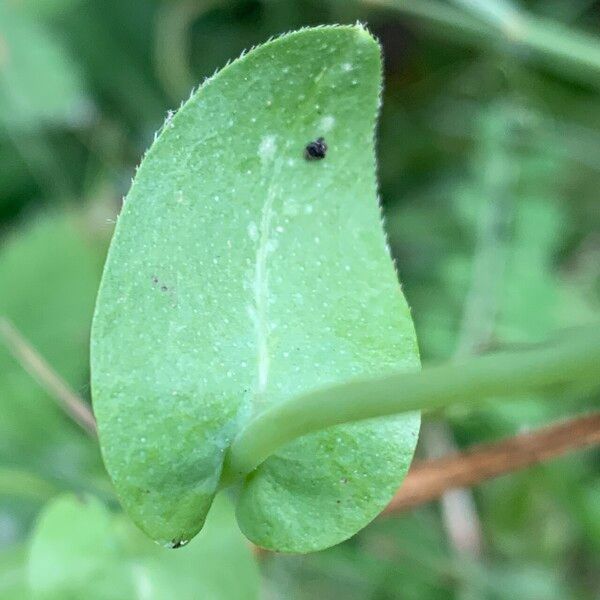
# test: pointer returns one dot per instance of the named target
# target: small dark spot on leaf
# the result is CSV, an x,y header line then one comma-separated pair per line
x,y
316,150
154,279
178,543
164,288
81,498
344,480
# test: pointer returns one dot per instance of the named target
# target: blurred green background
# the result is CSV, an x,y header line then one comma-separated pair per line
x,y
489,165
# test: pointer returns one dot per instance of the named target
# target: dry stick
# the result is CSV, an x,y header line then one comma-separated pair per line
x,y
427,480
458,509
43,373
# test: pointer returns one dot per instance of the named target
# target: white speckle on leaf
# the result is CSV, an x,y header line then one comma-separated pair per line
x,y
347,67
308,209
253,231
327,123
290,207
267,148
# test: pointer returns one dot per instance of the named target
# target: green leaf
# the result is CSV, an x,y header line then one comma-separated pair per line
x,y
39,83
80,550
242,274
13,579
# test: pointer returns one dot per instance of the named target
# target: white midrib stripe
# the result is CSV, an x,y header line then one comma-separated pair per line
x,y
260,314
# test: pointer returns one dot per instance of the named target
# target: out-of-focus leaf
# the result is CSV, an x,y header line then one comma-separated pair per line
x,y
23,484
80,550
13,573
48,278
39,82
44,9
241,274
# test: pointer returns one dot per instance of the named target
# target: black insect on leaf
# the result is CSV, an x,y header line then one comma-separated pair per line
x,y
316,150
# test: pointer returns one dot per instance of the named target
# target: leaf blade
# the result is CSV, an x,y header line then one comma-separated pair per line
x,y
242,274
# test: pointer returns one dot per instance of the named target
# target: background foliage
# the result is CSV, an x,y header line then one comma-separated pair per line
x,y
489,171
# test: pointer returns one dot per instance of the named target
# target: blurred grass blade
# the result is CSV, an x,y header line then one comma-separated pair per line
x,y
572,54
440,16
500,13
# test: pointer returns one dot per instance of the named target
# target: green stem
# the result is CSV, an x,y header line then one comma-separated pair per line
x,y
575,360
560,48
172,46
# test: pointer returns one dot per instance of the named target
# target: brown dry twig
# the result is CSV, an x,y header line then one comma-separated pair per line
x,y
429,479
29,358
